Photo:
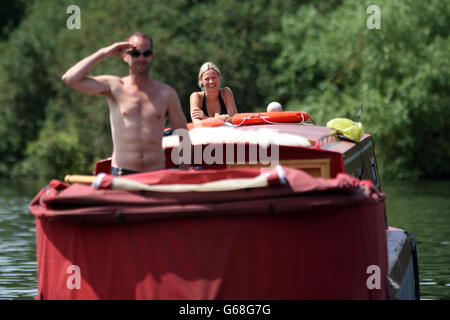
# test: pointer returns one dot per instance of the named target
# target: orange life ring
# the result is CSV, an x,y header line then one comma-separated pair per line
x,y
211,122
245,119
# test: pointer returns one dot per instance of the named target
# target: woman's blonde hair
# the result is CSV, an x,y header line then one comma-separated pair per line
x,y
205,67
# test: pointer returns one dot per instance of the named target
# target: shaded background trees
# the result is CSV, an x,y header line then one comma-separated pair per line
x,y
314,56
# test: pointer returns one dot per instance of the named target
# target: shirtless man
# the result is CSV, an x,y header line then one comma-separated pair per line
x,y
138,104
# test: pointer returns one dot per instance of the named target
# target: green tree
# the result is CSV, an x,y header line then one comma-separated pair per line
x,y
328,62
186,34
11,14
316,56
25,82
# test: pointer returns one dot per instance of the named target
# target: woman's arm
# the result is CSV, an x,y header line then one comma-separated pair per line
x,y
195,107
230,104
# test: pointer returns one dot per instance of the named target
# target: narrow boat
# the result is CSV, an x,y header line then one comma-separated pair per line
x,y
269,211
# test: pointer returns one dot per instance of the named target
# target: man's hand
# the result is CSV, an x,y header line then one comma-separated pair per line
x,y
117,49
77,76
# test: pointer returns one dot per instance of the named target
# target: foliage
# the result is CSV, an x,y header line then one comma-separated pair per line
x,y
329,62
318,56
11,14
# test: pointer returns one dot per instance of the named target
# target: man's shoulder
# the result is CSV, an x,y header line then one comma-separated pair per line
x,y
164,88
162,85
111,81
107,77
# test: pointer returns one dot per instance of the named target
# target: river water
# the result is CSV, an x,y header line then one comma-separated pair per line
x,y
421,208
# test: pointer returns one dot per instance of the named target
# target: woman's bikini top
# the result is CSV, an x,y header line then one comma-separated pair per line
x,y
223,107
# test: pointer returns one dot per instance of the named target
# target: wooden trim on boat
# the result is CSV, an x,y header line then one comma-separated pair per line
x,y
319,168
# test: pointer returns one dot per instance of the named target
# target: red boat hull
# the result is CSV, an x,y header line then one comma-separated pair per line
x,y
310,239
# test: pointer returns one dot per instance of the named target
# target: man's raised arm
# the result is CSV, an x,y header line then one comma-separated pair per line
x,y
77,76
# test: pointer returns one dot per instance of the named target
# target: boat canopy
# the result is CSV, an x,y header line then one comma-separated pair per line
x,y
292,237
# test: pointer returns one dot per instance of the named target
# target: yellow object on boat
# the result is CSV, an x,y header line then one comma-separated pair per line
x,y
348,128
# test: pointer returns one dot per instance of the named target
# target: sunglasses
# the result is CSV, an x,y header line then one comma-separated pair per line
x,y
136,53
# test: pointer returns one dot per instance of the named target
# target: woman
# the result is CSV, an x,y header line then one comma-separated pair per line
x,y
212,101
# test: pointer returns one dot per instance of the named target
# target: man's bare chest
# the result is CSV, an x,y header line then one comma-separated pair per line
x,y
144,105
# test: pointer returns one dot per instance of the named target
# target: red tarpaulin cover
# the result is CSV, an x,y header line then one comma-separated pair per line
x,y
307,239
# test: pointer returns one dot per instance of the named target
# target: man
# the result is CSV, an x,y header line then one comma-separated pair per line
x,y
138,104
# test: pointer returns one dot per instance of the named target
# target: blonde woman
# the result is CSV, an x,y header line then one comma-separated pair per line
x,y
212,101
